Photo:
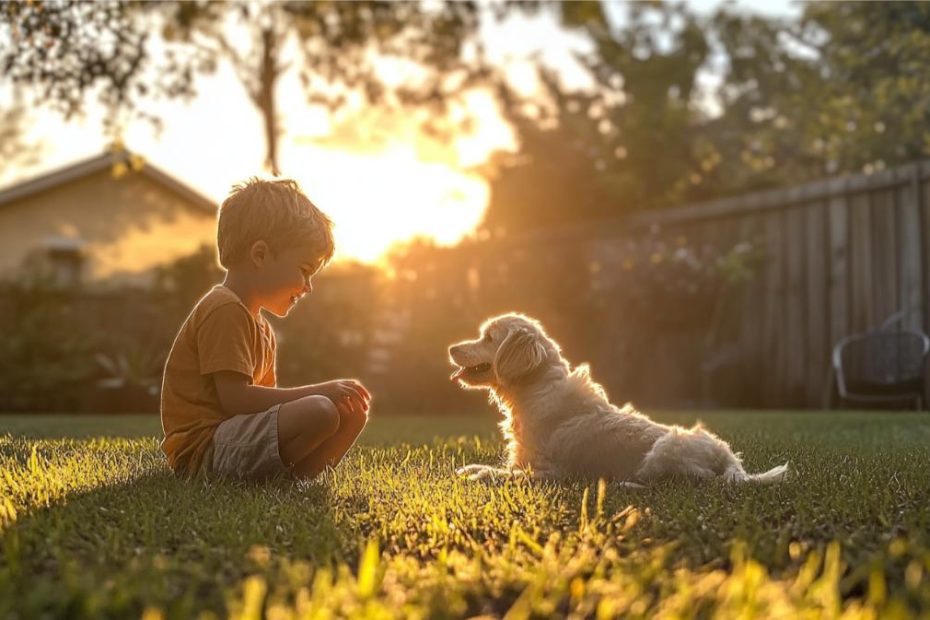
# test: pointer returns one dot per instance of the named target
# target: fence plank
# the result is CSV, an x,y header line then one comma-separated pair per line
x,y
796,332
923,201
839,268
774,362
817,298
860,255
910,293
752,330
884,255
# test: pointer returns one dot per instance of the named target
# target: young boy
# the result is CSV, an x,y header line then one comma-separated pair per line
x,y
221,410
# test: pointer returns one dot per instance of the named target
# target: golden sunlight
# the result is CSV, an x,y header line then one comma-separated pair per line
x,y
379,199
384,181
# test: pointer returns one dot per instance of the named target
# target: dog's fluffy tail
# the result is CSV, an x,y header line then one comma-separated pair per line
x,y
776,474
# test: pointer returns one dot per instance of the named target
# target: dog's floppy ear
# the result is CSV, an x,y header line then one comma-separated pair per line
x,y
520,354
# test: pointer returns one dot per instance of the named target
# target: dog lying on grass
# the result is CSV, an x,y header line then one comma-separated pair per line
x,y
559,424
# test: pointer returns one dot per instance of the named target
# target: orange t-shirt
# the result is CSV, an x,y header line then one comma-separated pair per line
x,y
219,334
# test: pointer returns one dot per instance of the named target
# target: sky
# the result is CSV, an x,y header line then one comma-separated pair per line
x,y
381,182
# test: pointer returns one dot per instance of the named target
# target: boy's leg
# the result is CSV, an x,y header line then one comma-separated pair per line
x,y
313,434
331,451
304,424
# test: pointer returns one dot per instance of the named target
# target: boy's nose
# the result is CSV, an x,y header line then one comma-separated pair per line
x,y
453,349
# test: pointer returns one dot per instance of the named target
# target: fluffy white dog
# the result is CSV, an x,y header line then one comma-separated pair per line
x,y
559,424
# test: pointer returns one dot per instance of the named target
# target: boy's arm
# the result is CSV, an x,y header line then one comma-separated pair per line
x,y
237,395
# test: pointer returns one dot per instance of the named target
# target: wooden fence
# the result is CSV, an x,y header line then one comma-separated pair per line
x,y
841,256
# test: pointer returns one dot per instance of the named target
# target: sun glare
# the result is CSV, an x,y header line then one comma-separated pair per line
x,y
384,180
379,199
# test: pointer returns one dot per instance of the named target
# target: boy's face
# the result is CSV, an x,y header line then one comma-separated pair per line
x,y
285,277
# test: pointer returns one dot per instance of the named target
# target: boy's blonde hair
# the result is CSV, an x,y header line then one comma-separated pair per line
x,y
276,212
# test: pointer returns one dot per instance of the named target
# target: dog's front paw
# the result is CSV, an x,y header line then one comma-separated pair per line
x,y
480,472
469,470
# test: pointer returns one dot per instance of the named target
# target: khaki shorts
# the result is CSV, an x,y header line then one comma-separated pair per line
x,y
246,447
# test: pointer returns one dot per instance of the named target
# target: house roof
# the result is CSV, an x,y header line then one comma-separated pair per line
x,y
91,166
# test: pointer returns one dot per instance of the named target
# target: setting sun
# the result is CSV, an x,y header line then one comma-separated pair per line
x,y
384,180
379,199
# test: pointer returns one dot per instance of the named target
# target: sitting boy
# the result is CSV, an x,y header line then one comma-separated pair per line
x,y
221,410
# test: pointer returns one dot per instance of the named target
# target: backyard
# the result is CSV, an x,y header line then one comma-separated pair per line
x,y
720,208
94,525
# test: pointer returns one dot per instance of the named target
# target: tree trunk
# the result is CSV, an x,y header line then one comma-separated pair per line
x,y
264,96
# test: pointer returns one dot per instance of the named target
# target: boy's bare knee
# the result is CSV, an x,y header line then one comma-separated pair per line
x,y
324,412
312,415
355,419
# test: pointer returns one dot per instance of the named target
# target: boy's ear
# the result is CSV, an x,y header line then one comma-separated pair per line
x,y
258,252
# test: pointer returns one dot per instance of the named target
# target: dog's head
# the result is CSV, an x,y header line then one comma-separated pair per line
x,y
510,349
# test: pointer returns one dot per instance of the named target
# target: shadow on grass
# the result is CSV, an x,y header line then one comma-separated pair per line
x,y
155,540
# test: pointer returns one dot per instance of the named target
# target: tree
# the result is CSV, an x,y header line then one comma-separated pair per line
x,y
69,49
649,68
632,142
563,171
845,88
340,47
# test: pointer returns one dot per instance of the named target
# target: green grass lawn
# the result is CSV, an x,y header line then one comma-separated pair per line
x,y
93,525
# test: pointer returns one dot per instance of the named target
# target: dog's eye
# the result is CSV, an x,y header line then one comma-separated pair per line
x,y
487,337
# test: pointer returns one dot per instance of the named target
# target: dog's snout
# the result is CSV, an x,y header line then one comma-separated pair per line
x,y
454,349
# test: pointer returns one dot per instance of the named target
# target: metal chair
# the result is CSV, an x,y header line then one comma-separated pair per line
x,y
881,366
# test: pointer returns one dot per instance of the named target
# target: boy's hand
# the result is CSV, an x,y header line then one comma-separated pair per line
x,y
348,395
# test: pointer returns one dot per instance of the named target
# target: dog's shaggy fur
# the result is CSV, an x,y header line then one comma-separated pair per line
x,y
559,424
